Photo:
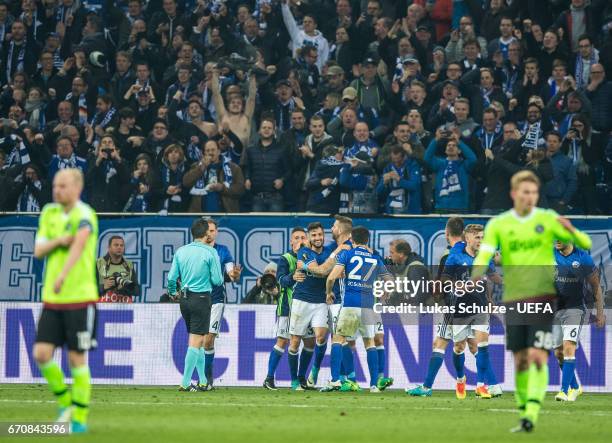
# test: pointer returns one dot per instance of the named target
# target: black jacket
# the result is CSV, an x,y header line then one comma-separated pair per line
x,y
107,195
263,165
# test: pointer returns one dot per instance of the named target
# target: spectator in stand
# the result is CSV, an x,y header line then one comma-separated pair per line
x,y
266,170
452,179
309,35
455,49
599,92
291,140
158,140
576,145
30,190
400,186
65,158
215,183
107,179
560,191
174,197
358,179
217,70
305,157
144,187
324,183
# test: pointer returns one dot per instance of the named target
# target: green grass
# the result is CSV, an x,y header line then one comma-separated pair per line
x,y
161,414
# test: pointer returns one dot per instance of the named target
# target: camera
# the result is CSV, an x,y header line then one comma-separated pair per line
x,y
268,283
122,282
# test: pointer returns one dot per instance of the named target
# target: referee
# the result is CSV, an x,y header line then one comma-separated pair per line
x,y
198,267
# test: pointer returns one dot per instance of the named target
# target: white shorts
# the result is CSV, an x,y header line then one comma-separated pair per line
x,y
567,325
216,315
445,327
334,311
305,315
282,329
353,320
459,329
379,327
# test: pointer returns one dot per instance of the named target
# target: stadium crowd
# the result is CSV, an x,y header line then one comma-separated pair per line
x,y
356,106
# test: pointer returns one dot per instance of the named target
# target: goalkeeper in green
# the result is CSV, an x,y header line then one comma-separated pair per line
x,y
525,237
68,237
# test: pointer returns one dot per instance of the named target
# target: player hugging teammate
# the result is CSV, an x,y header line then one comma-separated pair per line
x,y
463,327
304,312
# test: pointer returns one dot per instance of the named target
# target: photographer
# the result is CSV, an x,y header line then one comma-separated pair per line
x,y
107,178
265,290
117,279
408,265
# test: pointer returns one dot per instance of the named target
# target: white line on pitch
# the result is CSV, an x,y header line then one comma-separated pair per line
x,y
304,406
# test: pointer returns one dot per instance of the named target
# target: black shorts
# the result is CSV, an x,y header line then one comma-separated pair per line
x,y
529,330
75,328
195,309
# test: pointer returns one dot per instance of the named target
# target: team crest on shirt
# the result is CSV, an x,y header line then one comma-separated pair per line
x,y
575,264
539,229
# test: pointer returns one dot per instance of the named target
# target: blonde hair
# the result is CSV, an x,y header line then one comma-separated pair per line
x,y
473,228
524,176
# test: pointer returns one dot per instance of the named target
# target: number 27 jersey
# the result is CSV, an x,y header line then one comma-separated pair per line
x,y
361,268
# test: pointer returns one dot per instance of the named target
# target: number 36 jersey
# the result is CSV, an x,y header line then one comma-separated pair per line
x,y
361,269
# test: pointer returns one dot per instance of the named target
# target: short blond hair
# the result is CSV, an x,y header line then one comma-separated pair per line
x,y
524,176
473,228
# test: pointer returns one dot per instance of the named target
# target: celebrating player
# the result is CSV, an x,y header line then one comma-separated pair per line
x,y
68,236
288,276
525,236
576,277
308,307
361,268
454,234
341,233
466,323
231,273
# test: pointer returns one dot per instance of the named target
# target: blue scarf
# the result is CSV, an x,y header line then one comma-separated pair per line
x,y
169,180
534,136
488,139
398,197
566,124
194,153
450,179
210,176
19,155
358,147
581,80
330,161
103,119
27,202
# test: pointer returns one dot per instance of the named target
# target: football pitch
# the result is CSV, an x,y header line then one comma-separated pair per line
x,y
161,414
